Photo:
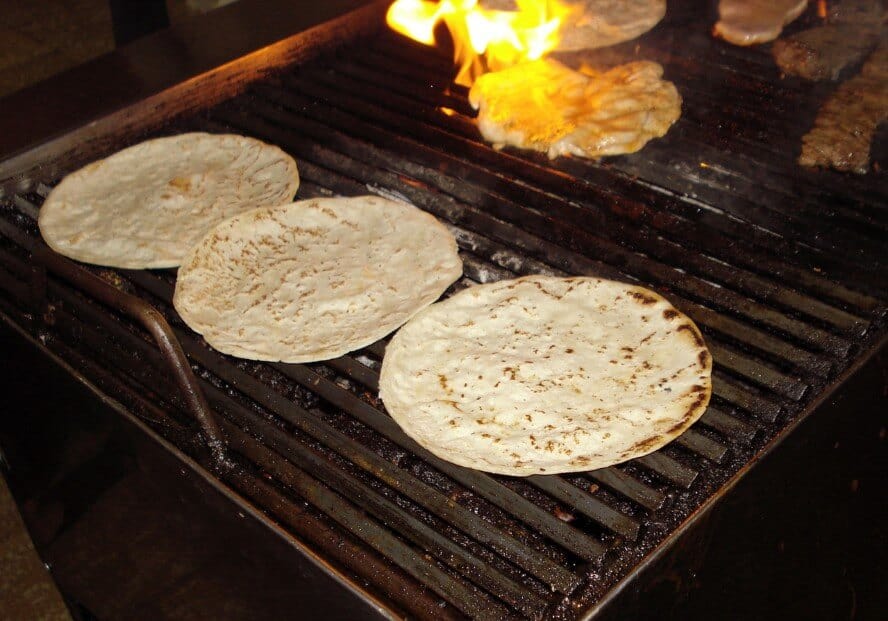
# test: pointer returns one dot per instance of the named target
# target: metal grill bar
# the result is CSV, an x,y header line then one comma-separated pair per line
x,y
387,511
366,565
668,468
622,483
371,532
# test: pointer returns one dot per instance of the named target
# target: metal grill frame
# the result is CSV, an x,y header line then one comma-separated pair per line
x,y
730,386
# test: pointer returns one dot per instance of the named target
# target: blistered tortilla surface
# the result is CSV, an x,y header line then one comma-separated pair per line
x,y
543,375
147,205
315,279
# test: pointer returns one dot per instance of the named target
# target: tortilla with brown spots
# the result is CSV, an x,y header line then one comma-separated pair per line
x,y
315,279
146,206
542,375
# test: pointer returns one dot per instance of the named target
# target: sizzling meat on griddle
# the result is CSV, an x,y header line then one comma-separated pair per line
x,y
822,52
844,128
747,22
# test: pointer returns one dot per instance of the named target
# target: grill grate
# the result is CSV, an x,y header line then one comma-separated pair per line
x,y
783,270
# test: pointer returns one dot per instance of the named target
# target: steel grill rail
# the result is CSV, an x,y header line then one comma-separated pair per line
x,y
783,269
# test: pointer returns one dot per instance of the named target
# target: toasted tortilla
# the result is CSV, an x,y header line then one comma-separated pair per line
x,y
315,279
146,206
543,375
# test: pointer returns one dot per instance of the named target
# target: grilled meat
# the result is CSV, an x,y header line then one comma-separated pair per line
x,y
747,22
846,123
823,52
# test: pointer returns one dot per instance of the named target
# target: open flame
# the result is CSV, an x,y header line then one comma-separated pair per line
x,y
484,39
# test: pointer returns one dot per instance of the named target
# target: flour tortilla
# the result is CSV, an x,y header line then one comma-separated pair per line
x,y
146,206
598,23
542,375
315,279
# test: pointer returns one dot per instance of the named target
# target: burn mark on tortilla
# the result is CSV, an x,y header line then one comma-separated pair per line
x,y
540,286
703,357
670,314
694,334
676,427
692,409
646,444
643,298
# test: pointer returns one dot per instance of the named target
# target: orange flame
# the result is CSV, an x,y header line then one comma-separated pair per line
x,y
484,39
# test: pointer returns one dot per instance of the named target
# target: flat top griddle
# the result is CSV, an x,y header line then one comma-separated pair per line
x,y
782,268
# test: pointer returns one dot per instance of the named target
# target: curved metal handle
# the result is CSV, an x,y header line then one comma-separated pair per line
x,y
153,321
